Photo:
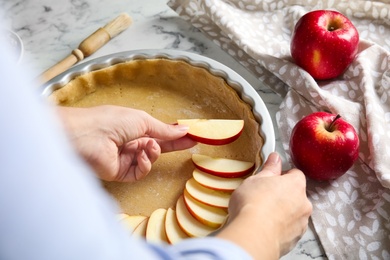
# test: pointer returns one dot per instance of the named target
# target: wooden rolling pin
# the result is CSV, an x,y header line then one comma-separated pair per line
x,y
88,46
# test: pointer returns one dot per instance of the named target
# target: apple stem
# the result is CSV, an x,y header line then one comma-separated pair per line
x,y
333,26
330,128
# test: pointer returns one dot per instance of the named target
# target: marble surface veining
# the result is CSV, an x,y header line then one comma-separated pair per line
x,y
51,29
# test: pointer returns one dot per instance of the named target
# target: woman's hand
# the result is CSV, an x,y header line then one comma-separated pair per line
x,y
121,144
269,212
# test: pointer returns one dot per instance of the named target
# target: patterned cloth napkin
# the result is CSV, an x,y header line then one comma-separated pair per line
x,y
352,213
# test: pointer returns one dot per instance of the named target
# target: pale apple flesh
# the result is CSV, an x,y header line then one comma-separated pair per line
x,y
216,182
219,199
121,216
191,226
323,146
131,222
172,228
213,131
140,230
208,215
155,229
324,43
223,167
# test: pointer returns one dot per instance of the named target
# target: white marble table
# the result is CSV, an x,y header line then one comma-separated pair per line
x,y
50,29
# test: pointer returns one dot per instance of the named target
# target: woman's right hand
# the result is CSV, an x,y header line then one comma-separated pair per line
x,y
269,212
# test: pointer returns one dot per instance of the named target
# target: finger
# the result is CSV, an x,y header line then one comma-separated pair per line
x,y
176,145
298,175
156,129
136,159
298,179
152,150
272,166
150,145
136,123
143,167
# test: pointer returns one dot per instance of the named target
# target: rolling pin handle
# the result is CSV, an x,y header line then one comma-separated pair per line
x,y
78,54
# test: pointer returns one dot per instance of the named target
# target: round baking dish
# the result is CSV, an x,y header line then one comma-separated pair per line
x,y
239,84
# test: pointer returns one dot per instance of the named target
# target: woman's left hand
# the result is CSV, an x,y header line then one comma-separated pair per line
x,y
120,143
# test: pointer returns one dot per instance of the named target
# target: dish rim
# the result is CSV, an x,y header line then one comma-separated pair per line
x,y
245,91
17,44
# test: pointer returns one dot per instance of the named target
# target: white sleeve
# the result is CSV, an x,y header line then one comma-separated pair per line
x,y
51,204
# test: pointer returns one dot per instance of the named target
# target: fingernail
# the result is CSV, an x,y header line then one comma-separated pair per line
x,y
273,158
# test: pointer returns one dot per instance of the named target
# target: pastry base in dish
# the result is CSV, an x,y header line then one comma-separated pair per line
x,y
168,90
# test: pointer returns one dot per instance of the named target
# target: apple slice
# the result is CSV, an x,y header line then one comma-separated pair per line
x,y
188,223
140,230
219,199
155,230
172,228
121,216
223,167
211,216
216,182
213,131
132,222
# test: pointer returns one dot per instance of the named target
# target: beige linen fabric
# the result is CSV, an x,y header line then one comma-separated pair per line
x,y
351,214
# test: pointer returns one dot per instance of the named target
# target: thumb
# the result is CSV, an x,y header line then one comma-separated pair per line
x,y
272,166
160,130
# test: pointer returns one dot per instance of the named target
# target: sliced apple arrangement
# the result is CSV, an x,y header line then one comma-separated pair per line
x,y
215,182
213,131
222,167
202,208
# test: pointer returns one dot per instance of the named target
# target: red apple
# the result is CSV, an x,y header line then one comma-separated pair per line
x,y
223,167
323,146
324,43
213,131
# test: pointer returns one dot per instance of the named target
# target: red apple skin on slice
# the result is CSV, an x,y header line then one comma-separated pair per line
x,y
155,230
216,182
172,228
211,216
213,131
219,199
222,167
190,225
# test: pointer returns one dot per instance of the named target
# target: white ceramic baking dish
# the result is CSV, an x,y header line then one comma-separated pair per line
x,y
239,84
